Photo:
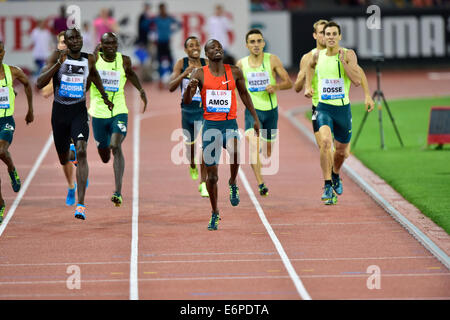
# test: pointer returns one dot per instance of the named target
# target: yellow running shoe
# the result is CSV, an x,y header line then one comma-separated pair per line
x,y
193,172
117,199
203,190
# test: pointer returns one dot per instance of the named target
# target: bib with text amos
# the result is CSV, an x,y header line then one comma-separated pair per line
x,y
218,95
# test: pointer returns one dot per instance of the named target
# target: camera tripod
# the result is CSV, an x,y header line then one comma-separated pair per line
x,y
377,97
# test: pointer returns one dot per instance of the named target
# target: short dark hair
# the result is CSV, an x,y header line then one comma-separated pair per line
x,y
189,38
209,42
253,31
332,24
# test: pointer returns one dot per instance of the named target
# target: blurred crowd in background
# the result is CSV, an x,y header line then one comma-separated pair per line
x,y
266,5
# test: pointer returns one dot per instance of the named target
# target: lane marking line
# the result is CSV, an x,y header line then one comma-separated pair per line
x,y
134,291
404,222
290,269
26,184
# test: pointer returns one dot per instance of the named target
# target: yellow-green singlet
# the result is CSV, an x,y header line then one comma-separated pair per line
x,y
332,81
113,79
7,96
256,81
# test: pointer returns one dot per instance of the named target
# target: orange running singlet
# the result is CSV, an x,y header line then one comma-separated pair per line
x,y
218,95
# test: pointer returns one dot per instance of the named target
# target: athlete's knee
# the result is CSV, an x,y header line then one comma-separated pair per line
x,y
212,178
326,143
81,151
116,149
3,152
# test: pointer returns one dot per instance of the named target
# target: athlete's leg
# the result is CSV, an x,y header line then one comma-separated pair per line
x,y
255,160
119,160
233,151
5,156
211,185
68,173
326,151
82,171
341,153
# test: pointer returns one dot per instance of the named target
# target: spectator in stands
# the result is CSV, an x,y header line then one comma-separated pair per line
x,y
219,27
60,22
42,41
104,23
88,38
165,25
257,5
294,4
273,4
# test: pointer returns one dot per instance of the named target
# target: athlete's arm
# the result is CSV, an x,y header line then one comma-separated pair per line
x,y
47,91
53,64
176,76
245,96
301,76
196,80
18,74
350,63
310,68
368,101
279,70
131,75
95,77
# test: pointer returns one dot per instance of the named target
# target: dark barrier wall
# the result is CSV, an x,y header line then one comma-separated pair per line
x,y
404,37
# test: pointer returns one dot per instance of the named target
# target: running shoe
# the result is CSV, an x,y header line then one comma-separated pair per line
x,y
337,186
329,196
263,190
214,221
80,212
72,148
203,190
193,172
70,199
2,211
15,180
234,195
116,199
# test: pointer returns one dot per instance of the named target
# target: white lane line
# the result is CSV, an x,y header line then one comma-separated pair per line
x,y
26,184
409,226
134,291
290,269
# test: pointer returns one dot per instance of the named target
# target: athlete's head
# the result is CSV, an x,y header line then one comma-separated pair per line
x,y
213,50
2,51
73,40
109,43
255,41
192,47
332,32
318,33
60,41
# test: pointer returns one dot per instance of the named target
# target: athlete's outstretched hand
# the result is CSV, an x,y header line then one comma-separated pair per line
x,y
309,92
108,103
29,117
62,55
144,99
368,101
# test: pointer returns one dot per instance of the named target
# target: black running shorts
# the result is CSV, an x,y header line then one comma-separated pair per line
x,y
70,123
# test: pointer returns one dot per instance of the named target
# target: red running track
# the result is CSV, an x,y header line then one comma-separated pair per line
x,y
174,256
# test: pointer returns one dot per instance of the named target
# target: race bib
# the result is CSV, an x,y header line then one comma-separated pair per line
x,y
4,98
71,86
110,80
258,81
196,97
332,89
218,100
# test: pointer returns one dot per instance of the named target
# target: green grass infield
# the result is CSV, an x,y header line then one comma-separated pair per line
x,y
420,173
